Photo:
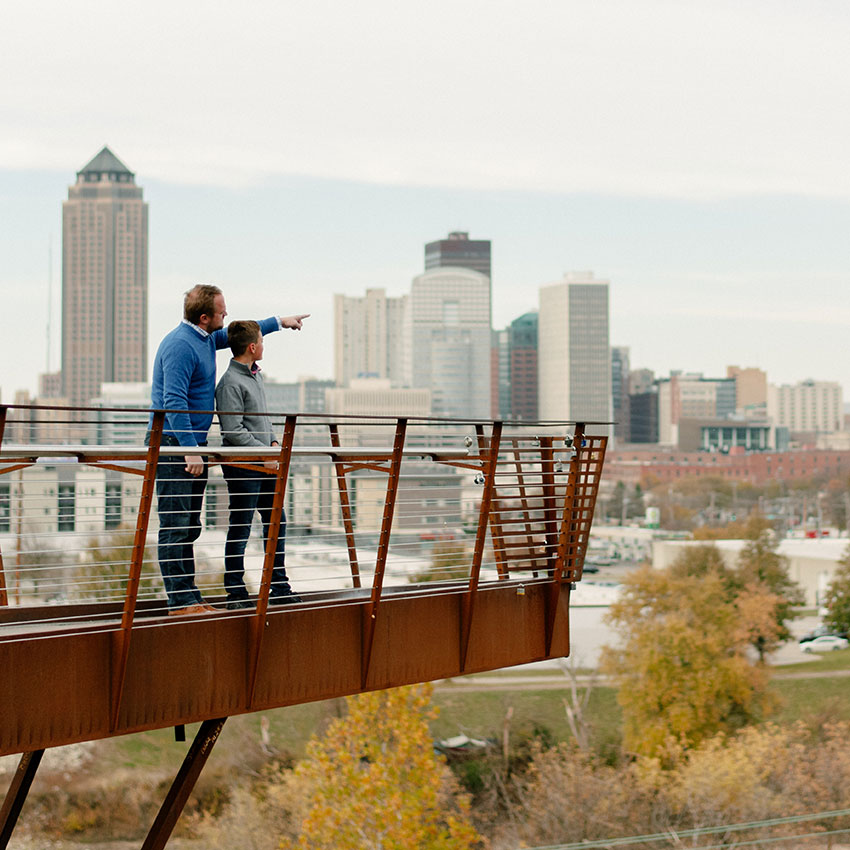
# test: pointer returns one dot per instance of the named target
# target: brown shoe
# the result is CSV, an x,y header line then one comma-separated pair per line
x,y
201,608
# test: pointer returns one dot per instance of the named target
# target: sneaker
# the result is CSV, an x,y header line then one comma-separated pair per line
x,y
238,604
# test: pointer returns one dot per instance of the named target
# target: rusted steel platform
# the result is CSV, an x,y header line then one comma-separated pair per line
x,y
56,689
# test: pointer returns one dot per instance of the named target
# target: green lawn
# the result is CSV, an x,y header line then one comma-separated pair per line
x,y
827,661
479,714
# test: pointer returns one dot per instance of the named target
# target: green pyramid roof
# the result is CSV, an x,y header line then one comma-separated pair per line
x,y
105,161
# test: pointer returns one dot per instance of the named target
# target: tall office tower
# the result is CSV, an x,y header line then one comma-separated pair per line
x,y
459,251
522,336
104,279
368,337
448,326
643,415
574,365
500,375
620,391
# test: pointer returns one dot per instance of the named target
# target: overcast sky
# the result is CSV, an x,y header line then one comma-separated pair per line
x,y
695,154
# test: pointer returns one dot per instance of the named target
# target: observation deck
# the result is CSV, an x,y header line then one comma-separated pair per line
x,y
420,548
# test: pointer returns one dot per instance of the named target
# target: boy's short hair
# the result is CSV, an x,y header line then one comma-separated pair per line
x,y
241,334
199,300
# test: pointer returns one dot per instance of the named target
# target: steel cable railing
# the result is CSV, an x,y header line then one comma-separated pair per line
x,y
371,507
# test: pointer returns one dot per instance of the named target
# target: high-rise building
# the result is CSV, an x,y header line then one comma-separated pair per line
x,y
574,365
500,375
459,251
750,389
641,381
692,396
522,342
448,328
643,415
620,392
807,407
104,279
368,337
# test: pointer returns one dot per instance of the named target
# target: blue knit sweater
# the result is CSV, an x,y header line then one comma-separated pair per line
x,y
184,379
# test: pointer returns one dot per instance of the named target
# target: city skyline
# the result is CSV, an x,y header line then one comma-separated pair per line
x,y
691,154
791,331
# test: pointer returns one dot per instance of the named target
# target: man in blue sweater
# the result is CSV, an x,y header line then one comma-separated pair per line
x,y
184,380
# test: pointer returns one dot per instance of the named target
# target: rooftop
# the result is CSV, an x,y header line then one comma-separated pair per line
x,y
105,162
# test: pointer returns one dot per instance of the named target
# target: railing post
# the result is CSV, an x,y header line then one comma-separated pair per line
x,y
383,549
489,470
550,504
4,596
258,623
17,794
495,520
121,638
526,507
567,542
19,531
345,508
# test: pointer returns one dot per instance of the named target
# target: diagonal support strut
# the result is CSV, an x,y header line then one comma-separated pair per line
x,y
17,794
184,782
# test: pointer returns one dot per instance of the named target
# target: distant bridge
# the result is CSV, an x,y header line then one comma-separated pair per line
x,y
422,549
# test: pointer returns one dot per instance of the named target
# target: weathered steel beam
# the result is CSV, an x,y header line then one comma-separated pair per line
x,y
258,620
371,611
17,794
489,450
121,644
566,536
175,801
56,690
345,509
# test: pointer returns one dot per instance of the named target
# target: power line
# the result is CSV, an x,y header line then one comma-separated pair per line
x,y
672,835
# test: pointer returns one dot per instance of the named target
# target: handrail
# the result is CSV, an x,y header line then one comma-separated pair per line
x,y
510,487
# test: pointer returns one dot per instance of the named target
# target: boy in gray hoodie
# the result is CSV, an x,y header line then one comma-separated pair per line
x,y
241,402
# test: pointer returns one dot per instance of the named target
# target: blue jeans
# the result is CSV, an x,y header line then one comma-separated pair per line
x,y
180,497
251,491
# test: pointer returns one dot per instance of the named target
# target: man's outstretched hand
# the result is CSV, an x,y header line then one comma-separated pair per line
x,y
293,322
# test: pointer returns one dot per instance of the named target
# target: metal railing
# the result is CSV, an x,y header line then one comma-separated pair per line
x,y
370,505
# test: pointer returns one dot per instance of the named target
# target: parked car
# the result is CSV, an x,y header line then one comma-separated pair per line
x,y
824,643
818,632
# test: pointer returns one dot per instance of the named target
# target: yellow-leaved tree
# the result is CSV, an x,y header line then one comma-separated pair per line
x,y
682,666
374,781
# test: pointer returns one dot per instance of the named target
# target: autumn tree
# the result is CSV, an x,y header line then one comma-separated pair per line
x,y
682,665
762,569
374,781
450,560
760,577
105,565
837,599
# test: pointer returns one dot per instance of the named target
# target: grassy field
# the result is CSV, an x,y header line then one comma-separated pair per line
x,y
534,713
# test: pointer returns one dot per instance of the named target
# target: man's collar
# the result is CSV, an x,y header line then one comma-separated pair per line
x,y
197,328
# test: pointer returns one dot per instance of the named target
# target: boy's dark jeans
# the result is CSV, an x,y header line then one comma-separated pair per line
x,y
180,497
251,491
